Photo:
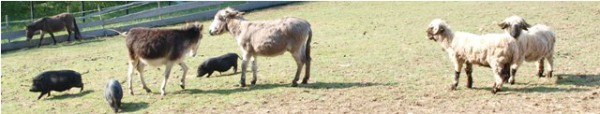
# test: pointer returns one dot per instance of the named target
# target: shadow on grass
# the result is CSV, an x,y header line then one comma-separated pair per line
x,y
69,95
578,79
133,106
317,85
216,74
51,45
541,89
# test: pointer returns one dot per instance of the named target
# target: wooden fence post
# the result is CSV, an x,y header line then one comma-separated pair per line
x,y
31,8
159,17
83,10
97,5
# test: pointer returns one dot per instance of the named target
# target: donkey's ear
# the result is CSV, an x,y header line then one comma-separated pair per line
x,y
200,26
241,13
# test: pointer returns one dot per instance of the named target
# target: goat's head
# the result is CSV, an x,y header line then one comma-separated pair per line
x,y
436,29
514,25
222,18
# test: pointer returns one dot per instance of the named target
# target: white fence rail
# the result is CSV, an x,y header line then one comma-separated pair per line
x,y
156,12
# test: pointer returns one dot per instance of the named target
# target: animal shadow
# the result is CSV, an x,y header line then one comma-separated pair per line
x,y
70,95
133,106
533,89
578,79
317,85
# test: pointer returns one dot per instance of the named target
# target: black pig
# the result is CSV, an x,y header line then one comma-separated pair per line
x,y
221,63
60,80
113,94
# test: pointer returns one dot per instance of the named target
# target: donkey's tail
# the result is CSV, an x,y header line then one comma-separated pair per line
x,y
77,32
120,33
307,48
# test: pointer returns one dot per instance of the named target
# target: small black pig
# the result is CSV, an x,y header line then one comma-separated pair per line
x,y
60,80
113,94
221,63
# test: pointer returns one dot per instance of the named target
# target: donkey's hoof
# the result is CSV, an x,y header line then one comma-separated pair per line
x,y
242,84
148,90
469,86
131,92
253,83
304,82
182,86
495,90
294,84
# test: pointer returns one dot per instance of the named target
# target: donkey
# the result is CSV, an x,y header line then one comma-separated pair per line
x,y
267,38
157,47
54,24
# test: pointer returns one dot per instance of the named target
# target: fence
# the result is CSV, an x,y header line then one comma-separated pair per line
x,y
143,14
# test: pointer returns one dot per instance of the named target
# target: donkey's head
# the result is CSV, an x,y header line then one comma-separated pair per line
x,y
34,27
222,18
195,29
514,25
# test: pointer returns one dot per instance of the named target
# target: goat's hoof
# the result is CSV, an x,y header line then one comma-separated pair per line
x,y
294,84
452,88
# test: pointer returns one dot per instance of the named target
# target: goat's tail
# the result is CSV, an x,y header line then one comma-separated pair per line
x,y
120,33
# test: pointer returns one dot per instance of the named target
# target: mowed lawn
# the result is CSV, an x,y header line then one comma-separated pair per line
x,y
368,57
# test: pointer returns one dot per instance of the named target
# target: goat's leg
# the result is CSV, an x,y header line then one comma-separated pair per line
x,y
52,36
254,68
469,71
167,73
140,70
540,66
457,67
41,39
185,69
551,65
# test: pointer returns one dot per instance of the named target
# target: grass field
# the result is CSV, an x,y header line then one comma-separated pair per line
x,y
368,57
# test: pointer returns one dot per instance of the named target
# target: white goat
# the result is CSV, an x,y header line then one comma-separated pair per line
x,y
498,51
536,42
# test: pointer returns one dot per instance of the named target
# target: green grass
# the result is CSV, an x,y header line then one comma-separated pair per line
x,y
368,57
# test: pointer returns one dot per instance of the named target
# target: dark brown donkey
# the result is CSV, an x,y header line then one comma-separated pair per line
x,y
157,47
53,24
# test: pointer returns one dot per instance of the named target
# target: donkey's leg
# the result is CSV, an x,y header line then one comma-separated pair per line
x,y
244,67
254,68
129,74
69,33
540,66
551,65
167,73
307,60
185,69
140,70
469,71
300,64
52,36
41,39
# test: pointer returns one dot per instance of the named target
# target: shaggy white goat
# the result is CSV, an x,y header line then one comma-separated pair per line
x,y
536,42
498,51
